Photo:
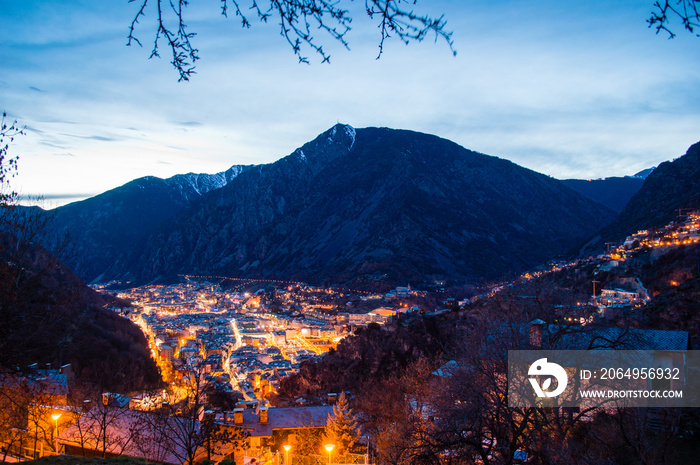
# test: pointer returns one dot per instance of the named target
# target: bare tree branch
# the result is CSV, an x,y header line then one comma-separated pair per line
x,y
297,19
8,164
406,25
688,11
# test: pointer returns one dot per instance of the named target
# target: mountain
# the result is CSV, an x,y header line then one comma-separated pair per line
x,y
612,192
644,173
101,228
671,187
357,206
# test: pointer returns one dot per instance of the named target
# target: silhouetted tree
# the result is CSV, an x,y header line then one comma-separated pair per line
x,y
221,439
190,427
297,21
8,164
47,313
14,416
396,414
688,11
105,428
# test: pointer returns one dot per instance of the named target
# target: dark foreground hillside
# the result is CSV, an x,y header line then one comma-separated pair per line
x,y
370,355
49,316
70,460
670,190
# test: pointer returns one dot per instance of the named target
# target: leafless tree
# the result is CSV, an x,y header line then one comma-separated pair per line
x,y
298,19
106,428
25,268
8,164
396,414
14,421
26,405
189,428
39,423
462,414
687,11
23,263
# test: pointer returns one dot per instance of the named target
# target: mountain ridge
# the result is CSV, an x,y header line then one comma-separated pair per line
x,y
613,192
102,226
669,187
395,212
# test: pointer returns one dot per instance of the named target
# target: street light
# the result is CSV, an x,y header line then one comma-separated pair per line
x,y
329,448
55,417
286,448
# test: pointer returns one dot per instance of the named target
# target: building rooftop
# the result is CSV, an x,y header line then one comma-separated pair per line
x,y
285,418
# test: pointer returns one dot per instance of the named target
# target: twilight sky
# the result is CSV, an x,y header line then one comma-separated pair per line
x,y
569,89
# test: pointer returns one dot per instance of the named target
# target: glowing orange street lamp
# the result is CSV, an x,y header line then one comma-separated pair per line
x,y
55,418
329,448
286,448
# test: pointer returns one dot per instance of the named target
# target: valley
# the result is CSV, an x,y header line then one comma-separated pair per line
x,y
373,269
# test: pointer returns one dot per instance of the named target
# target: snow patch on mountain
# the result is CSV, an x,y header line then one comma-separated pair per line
x,y
644,173
350,131
193,185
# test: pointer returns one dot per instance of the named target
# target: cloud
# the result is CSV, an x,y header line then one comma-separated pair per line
x,y
98,138
36,89
189,123
33,129
50,201
58,196
64,154
58,120
52,144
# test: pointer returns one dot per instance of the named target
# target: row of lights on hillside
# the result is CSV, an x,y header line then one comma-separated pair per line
x,y
287,447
